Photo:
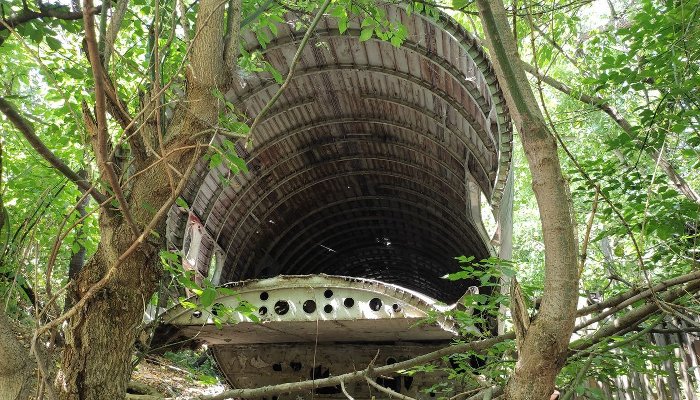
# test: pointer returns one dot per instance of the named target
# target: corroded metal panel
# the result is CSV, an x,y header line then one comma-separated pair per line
x,y
317,309
415,123
257,366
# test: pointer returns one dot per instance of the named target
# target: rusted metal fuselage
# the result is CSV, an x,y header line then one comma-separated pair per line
x,y
313,326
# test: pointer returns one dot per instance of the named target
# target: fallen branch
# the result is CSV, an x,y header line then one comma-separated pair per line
x,y
345,392
386,390
264,391
632,319
617,303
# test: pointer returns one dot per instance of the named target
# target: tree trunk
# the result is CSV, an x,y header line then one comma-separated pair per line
x,y
100,337
16,368
97,357
96,361
15,365
544,345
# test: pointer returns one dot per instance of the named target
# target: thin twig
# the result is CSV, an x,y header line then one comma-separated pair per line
x,y
345,392
387,391
27,130
101,115
587,236
579,377
292,67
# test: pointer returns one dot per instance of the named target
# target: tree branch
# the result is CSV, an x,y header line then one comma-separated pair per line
x,y
233,26
619,302
387,391
678,181
102,139
27,130
114,26
345,392
292,67
587,235
633,318
45,11
477,346
94,289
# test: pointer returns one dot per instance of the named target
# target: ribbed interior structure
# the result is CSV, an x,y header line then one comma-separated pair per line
x,y
371,164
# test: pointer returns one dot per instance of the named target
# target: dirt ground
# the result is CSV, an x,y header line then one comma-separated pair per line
x,y
162,378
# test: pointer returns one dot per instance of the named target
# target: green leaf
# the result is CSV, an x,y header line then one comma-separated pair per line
x,y
342,24
276,75
207,297
224,291
182,203
366,34
54,44
338,11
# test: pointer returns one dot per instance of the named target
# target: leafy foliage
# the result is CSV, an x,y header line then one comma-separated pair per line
x,y
641,58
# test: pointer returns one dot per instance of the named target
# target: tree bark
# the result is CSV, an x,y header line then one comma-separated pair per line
x,y
100,335
16,368
99,339
545,343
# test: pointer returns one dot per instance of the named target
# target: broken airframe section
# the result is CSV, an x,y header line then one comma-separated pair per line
x,y
297,309
313,326
371,165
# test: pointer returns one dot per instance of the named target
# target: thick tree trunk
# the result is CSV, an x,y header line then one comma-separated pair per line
x,y
16,367
100,338
544,346
96,362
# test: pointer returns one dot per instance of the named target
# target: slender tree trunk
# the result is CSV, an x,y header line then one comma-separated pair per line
x,y
544,345
15,368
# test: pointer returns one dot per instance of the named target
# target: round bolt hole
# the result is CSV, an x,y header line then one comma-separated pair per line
x,y
281,307
328,308
197,314
309,306
375,304
349,302
295,365
396,307
328,293
262,310
264,296
390,360
277,367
